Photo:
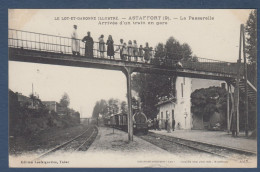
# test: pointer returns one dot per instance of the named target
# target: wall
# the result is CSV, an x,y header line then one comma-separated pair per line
x,y
197,122
183,118
51,105
162,109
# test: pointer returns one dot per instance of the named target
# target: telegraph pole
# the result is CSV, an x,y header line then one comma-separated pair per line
x,y
235,121
245,81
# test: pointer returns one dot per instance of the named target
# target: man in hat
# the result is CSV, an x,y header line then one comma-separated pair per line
x,y
75,42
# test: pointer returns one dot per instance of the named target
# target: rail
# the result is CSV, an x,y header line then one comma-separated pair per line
x,y
63,45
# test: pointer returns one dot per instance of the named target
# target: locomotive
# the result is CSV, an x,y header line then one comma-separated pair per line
x,y
120,121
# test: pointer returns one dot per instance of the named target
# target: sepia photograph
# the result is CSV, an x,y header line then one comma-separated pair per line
x,y
132,88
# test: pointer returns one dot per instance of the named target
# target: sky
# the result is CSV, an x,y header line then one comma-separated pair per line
x,y
214,39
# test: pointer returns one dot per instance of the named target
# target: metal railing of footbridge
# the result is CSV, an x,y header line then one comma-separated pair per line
x,y
63,45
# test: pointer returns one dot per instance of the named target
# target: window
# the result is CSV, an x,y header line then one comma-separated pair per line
x,y
181,89
172,114
167,114
161,115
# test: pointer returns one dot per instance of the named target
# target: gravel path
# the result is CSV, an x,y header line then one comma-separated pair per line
x,y
117,143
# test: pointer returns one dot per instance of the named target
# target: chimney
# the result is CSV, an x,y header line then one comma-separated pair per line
x,y
223,85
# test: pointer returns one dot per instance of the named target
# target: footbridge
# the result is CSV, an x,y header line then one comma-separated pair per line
x,y
42,48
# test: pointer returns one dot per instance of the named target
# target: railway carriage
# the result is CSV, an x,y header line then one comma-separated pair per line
x,y
120,121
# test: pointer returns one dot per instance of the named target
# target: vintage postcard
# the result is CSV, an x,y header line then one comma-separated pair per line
x,y
132,88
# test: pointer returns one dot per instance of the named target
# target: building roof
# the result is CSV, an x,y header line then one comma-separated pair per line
x,y
48,102
22,98
166,101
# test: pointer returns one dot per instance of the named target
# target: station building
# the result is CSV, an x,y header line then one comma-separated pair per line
x,y
179,107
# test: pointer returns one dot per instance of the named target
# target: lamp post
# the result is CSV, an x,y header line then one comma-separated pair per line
x,y
185,116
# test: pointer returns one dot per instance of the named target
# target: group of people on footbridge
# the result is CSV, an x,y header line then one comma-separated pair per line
x,y
126,51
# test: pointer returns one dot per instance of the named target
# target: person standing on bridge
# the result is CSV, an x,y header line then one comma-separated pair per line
x,y
135,50
75,42
124,51
151,53
146,53
130,50
88,45
141,53
102,47
110,47
120,47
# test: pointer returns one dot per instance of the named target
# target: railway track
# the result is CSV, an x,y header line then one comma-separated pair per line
x,y
215,150
79,143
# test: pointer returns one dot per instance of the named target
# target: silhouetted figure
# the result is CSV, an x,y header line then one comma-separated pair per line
x,y
110,47
154,124
88,40
166,124
173,124
146,53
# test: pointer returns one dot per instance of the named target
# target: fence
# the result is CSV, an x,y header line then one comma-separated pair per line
x,y
59,44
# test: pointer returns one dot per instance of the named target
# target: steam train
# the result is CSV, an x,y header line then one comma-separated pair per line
x,y
120,121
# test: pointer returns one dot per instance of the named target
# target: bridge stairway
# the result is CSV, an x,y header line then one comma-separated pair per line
x,y
251,89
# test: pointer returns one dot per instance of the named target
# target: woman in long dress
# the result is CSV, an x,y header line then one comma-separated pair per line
x,y
88,40
124,51
130,50
102,47
110,47
141,53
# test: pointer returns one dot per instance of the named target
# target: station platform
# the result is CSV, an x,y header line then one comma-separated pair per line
x,y
219,138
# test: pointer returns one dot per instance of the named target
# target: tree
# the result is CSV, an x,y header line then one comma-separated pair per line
x,y
101,107
113,107
124,108
33,98
150,87
36,102
206,101
96,110
186,51
251,40
65,100
251,46
174,49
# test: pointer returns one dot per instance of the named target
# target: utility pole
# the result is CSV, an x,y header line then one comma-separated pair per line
x,y
245,81
235,121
